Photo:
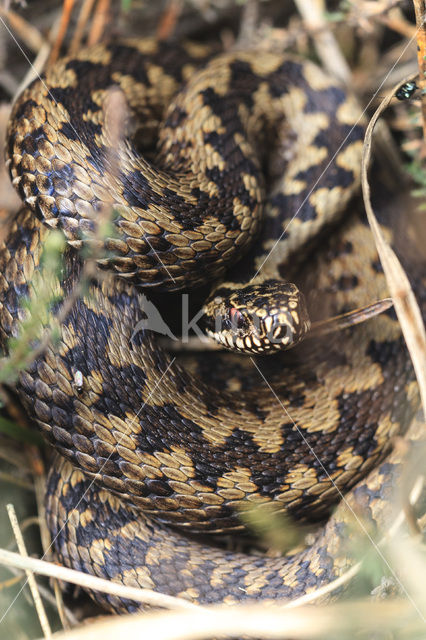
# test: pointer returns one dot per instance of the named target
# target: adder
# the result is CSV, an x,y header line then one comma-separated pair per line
x,y
218,153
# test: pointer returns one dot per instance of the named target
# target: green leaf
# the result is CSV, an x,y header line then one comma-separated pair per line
x,y
22,434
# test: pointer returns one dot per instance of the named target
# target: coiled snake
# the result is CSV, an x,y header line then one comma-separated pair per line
x,y
190,447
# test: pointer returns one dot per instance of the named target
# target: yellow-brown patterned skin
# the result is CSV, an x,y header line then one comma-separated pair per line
x,y
191,447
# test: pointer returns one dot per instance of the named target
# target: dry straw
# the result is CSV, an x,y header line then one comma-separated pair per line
x,y
405,303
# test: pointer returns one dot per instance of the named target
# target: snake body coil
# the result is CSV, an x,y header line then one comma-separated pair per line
x,y
191,447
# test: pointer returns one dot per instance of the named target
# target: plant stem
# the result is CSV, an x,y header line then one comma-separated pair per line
x,y
420,11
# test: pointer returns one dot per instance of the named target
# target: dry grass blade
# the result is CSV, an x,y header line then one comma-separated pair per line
x,y
313,14
396,20
420,11
99,21
86,581
63,26
44,622
37,65
256,621
83,18
406,306
169,19
26,32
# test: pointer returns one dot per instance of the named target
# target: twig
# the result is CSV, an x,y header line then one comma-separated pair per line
x,y
60,606
169,18
248,23
17,415
41,612
415,469
47,596
63,26
99,21
396,21
312,12
406,306
24,30
8,82
256,621
10,582
39,477
192,343
82,19
420,10
12,456
18,482
40,61
86,581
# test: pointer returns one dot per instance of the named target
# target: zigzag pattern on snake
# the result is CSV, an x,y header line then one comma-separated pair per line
x,y
165,446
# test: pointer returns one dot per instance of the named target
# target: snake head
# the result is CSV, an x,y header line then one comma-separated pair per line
x,y
257,318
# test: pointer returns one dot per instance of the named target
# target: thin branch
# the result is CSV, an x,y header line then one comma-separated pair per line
x,y
63,26
406,306
41,612
25,31
420,11
71,619
168,20
256,621
99,21
86,581
39,63
82,20
328,50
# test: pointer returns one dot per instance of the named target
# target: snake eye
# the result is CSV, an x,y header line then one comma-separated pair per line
x,y
236,317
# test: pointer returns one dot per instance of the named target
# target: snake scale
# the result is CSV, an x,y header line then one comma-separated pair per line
x,y
162,448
